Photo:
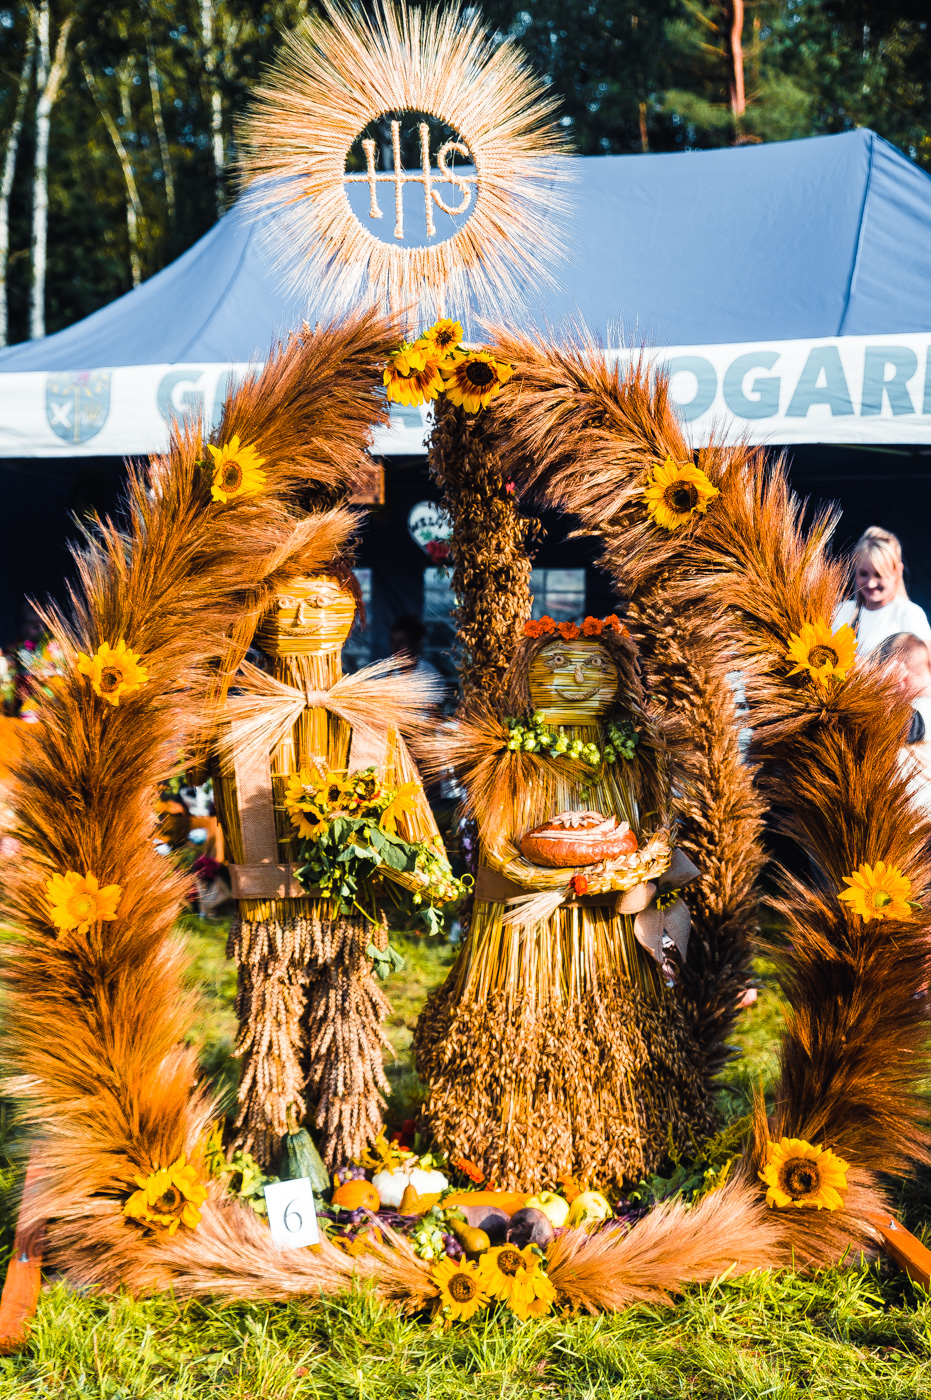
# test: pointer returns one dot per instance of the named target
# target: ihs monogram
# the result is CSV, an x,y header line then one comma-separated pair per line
x,y
399,178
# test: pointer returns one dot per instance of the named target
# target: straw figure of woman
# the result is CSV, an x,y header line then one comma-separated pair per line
x,y
556,1046
310,1011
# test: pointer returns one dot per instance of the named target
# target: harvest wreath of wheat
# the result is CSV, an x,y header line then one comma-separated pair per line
x,y
130,1179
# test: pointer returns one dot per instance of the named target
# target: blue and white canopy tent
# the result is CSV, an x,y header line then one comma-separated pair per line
x,y
787,287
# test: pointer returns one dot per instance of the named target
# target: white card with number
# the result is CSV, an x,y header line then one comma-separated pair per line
x,y
291,1213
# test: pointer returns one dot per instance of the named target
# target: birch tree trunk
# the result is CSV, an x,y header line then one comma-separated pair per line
x,y
133,202
49,76
9,169
159,117
211,69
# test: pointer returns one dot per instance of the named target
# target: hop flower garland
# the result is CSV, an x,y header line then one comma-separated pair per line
x,y
435,363
623,739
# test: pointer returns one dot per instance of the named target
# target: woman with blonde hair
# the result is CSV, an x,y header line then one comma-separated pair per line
x,y
881,607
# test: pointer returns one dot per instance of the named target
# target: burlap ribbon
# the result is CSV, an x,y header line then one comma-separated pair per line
x,y
652,923
384,697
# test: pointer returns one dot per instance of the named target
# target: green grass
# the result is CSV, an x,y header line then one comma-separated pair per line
x,y
845,1333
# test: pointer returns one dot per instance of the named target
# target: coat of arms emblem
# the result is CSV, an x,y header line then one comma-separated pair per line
x,y
77,405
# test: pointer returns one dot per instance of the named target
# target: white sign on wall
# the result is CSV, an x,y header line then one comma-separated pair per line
x,y
850,389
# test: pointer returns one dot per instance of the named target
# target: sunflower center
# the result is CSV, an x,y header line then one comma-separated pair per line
x,y
822,656
681,496
82,906
110,679
881,899
800,1177
444,339
169,1202
462,1288
232,475
480,374
510,1261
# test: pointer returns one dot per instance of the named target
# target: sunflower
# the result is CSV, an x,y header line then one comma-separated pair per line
x,y
515,1277
301,800
114,671
462,1292
536,1297
677,492
412,376
879,891
402,802
444,336
473,380
798,1174
77,901
336,791
822,653
235,471
168,1197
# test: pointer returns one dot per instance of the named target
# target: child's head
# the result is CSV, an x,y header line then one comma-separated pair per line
x,y
912,660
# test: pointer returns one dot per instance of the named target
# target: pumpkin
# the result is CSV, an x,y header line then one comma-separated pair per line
x,y
356,1195
392,1184
577,838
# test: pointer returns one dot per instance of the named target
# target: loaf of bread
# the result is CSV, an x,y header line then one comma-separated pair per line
x,y
577,838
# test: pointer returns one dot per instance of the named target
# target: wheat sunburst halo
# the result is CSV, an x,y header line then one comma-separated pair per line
x,y
345,69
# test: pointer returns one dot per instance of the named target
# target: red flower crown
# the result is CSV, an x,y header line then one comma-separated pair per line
x,y
591,627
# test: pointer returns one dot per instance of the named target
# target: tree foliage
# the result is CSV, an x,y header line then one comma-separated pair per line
x,y
143,132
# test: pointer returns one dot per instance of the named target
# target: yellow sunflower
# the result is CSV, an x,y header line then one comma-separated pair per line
x,y
113,671
677,492
412,376
300,802
236,471
444,336
473,379
535,1298
798,1174
168,1197
879,891
403,801
462,1293
515,1277
77,901
822,653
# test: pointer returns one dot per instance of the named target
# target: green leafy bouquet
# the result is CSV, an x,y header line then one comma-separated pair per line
x,y
354,855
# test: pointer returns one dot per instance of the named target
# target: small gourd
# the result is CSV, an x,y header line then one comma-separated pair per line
x,y
301,1158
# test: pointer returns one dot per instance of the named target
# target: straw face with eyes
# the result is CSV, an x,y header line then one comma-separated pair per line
x,y
573,682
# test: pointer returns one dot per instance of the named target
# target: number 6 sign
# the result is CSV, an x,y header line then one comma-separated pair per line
x,y
291,1213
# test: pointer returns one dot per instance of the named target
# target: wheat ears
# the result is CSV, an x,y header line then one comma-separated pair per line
x,y
342,70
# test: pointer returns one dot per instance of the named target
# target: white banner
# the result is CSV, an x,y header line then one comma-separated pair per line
x,y
852,389
126,412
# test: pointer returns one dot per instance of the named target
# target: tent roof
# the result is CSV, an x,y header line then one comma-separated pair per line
x,y
791,240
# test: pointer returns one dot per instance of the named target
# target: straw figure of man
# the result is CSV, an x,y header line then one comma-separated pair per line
x,y
310,1011
556,1046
